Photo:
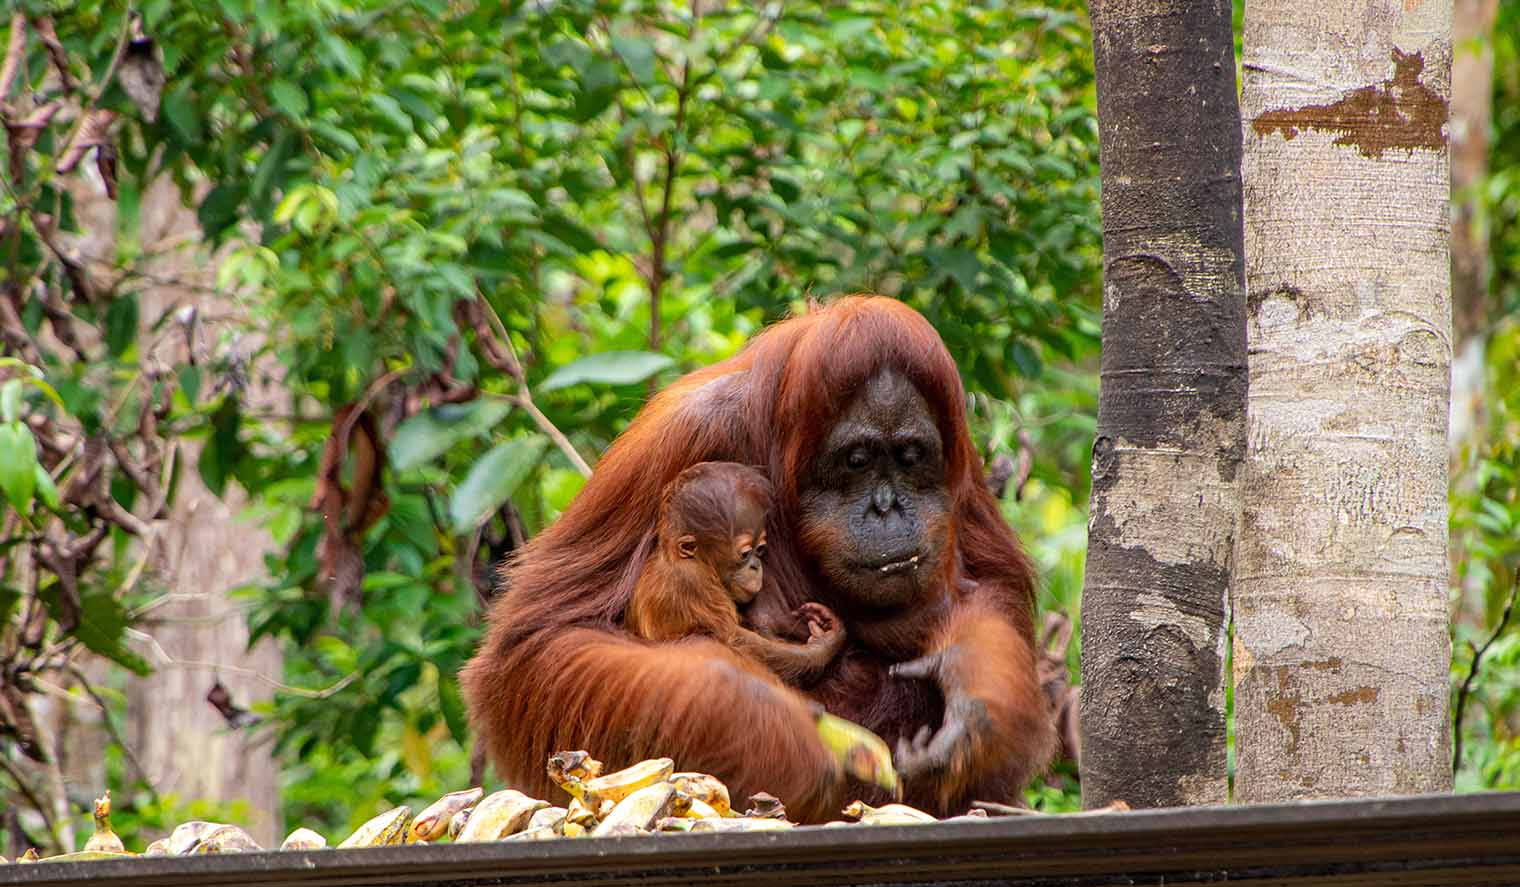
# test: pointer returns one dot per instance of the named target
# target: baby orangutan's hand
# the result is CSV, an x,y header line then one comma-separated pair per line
x,y
825,631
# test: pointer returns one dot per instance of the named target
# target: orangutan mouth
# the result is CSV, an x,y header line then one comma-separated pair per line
x,y
899,566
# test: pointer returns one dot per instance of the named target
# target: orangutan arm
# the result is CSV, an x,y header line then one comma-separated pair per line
x,y
624,701
996,732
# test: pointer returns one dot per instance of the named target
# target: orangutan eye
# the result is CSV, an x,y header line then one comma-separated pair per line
x,y
910,455
858,459
760,551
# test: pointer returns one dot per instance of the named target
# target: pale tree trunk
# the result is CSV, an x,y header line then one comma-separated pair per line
x,y
1171,411
204,549
1472,97
1341,648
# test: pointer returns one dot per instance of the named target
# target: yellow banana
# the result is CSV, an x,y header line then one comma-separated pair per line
x,y
697,808
548,817
87,855
863,754
615,787
456,823
499,815
187,834
705,788
227,839
385,829
578,766
740,825
303,839
433,822
889,814
639,811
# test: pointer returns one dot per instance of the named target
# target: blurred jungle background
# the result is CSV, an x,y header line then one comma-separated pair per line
x,y
312,312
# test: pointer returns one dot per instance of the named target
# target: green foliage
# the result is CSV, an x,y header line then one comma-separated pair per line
x,y
1485,499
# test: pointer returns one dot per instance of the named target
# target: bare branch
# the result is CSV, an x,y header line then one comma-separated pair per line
x,y
13,53
110,725
165,659
524,398
32,798
1472,672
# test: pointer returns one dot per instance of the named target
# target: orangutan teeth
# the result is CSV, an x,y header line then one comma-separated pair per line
x,y
897,566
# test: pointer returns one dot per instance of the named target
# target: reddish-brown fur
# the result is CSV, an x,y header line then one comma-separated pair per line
x,y
557,670
713,504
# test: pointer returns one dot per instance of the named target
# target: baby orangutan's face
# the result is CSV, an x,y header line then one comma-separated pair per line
x,y
746,570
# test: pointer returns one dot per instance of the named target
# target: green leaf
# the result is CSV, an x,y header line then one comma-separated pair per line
x,y
290,98
10,401
493,480
638,55
429,434
102,626
190,382
121,324
223,450
451,703
607,368
219,208
8,598
47,491
18,465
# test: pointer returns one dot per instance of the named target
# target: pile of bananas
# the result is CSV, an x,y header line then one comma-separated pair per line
x,y
648,798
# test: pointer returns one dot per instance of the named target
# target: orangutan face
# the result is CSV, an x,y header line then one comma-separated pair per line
x,y
875,507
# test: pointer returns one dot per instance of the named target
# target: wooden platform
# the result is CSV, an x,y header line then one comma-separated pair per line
x,y
1433,840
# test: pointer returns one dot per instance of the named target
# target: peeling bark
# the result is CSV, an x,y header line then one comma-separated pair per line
x,y
1341,650
1171,411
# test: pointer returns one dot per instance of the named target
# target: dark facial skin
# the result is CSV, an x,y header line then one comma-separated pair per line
x,y
874,506
746,571
740,560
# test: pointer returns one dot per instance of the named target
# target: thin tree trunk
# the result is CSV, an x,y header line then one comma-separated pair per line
x,y
204,550
1472,97
1171,412
1341,650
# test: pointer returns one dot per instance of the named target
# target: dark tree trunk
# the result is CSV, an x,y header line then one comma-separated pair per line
x,y
1171,411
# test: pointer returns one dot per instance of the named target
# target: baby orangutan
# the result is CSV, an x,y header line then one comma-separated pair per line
x,y
709,544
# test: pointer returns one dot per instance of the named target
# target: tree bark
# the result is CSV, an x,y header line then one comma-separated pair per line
x,y
203,550
1341,648
1171,409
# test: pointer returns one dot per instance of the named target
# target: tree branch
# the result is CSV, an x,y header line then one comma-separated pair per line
x,y
1472,672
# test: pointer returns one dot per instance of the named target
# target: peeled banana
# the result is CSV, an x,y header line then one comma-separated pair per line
x,y
433,822
499,815
385,829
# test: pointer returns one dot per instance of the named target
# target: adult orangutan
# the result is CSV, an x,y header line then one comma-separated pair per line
x,y
857,414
